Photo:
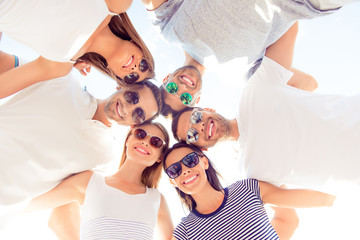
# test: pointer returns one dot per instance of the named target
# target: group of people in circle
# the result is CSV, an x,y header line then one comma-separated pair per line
x,y
56,130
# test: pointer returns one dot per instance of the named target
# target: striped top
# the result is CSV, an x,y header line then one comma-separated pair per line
x,y
240,216
109,213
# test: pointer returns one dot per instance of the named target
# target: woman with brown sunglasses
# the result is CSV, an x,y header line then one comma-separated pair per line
x,y
125,203
88,33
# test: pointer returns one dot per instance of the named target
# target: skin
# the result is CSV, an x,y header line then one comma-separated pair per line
x,y
115,109
140,154
221,128
193,181
189,80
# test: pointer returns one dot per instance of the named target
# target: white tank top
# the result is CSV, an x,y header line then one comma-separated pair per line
x,y
55,29
109,213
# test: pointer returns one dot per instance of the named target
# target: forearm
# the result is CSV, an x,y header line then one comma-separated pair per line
x,y
7,62
26,75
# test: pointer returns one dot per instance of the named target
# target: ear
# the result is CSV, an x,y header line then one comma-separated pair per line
x,y
205,162
210,109
118,87
166,78
159,160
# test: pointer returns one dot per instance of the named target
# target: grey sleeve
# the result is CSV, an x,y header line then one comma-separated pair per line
x,y
162,15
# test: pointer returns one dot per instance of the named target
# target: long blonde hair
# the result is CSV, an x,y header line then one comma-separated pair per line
x,y
151,175
121,26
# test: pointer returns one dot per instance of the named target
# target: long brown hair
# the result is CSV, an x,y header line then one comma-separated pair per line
x,y
151,175
211,174
121,26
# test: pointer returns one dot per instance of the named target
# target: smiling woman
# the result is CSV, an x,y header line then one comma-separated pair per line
x,y
125,57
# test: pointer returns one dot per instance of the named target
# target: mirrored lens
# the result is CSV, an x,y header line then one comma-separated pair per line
x,y
156,142
191,160
131,78
196,117
174,170
140,133
192,135
172,88
131,97
138,116
186,98
144,65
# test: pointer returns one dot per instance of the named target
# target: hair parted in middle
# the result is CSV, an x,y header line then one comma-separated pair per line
x,y
151,175
121,26
211,174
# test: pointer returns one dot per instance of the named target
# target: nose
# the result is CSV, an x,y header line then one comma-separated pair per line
x,y
145,142
185,170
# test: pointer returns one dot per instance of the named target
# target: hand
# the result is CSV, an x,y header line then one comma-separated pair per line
x,y
83,67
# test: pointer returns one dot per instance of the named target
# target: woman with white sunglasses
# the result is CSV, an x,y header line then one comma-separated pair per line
x,y
125,205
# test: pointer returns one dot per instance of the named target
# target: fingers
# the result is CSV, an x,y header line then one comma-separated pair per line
x,y
83,67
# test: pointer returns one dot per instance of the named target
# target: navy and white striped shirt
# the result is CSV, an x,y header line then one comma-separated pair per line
x,y
240,216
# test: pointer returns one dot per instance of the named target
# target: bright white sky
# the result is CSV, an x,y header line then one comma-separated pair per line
x,y
326,47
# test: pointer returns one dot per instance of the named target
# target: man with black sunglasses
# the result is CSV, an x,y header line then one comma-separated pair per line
x,y
286,135
55,128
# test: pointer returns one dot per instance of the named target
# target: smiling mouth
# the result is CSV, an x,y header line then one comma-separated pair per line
x,y
129,62
191,180
142,151
118,111
211,129
187,80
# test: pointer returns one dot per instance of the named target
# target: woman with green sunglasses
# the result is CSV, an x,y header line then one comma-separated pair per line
x,y
234,212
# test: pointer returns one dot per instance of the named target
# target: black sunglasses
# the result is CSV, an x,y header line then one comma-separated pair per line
x,y
155,141
134,76
138,115
190,161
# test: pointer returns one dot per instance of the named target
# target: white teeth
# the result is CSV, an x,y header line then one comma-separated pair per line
x,y
128,63
187,80
141,150
211,129
118,110
189,180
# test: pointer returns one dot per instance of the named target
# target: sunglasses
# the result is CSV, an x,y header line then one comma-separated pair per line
x,y
133,77
192,134
155,141
138,115
190,161
185,98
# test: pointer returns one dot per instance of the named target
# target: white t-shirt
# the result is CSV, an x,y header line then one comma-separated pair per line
x,y
109,213
297,137
46,134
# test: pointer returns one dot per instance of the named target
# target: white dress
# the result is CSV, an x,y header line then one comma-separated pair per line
x,y
54,29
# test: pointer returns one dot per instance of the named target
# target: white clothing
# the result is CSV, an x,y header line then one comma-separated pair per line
x,y
46,134
297,137
55,29
109,213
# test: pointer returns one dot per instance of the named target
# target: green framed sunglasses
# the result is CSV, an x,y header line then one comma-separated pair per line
x,y
185,97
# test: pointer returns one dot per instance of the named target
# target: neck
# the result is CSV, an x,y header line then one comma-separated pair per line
x,y
234,130
100,113
208,200
190,61
130,172
105,38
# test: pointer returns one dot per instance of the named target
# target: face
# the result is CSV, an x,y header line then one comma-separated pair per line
x,y
209,127
184,82
192,179
128,63
131,105
144,144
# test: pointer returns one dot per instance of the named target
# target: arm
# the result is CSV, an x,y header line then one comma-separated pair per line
x,y
71,189
302,81
26,75
64,221
294,198
152,4
164,223
7,62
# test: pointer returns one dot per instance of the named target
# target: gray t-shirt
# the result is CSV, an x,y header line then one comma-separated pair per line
x,y
229,29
